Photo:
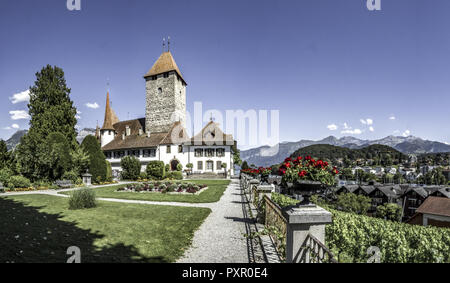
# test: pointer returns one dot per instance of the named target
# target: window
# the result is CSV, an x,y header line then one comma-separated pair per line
x,y
220,152
168,149
134,153
209,152
198,152
166,75
108,155
160,90
180,149
218,165
150,152
119,154
209,165
200,165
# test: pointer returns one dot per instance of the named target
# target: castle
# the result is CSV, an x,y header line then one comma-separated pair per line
x,y
162,134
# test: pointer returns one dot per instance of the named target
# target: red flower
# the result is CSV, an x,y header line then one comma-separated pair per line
x,y
302,174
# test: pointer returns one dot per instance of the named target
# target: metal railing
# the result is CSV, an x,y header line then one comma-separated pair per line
x,y
314,251
276,224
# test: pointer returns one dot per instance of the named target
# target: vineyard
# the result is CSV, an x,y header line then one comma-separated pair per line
x,y
350,236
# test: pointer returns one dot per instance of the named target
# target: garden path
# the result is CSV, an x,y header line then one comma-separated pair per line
x,y
220,238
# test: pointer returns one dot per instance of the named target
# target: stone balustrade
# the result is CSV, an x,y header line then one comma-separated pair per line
x,y
305,225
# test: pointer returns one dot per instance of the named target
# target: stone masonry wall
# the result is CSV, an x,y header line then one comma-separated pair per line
x,y
162,109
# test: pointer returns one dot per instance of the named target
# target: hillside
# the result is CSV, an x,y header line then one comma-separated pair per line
x,y
333,153
266,156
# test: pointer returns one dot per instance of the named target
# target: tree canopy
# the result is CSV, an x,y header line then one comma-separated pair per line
x,y
51,111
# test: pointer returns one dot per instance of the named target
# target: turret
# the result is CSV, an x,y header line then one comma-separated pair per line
x,y
107,132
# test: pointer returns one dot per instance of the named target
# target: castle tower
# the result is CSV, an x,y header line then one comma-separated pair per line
x,y
166,95
107,132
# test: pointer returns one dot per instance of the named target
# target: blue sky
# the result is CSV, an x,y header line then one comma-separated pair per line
x,y
321,63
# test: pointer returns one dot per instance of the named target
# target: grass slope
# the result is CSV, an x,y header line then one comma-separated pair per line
x,y
40,228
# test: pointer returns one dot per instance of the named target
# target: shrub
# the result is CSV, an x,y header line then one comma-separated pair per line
x,y
131,168
172,188
143,175
389,211
167,167
84,198
179,167
176,175
42,184
71,176
16,182
5,174
156,170
109,176
350,202
283,201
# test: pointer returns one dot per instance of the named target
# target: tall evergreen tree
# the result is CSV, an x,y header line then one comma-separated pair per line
x,y
4,155
97,160
51,111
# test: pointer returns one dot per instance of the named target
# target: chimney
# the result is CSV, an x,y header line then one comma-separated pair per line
x,y
123,135
141,132
148,134
128,131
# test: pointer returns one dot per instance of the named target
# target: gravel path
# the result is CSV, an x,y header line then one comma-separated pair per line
x,y
220,238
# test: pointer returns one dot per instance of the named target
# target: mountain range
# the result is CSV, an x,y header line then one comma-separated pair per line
x,y
266,155
14,140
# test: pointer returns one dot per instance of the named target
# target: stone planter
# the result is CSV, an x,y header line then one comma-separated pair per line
x,y
306,189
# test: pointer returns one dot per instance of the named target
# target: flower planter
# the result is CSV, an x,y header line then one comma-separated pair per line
x,y
306,189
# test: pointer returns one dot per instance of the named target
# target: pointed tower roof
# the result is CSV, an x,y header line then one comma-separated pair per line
x,y
110,116
164,64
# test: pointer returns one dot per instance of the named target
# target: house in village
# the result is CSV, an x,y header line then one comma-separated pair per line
x,y
434,211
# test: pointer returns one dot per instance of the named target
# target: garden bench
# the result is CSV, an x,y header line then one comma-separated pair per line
x,y
64,184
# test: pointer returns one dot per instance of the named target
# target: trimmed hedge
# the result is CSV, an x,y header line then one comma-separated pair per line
x,y
176,175
156,170
18,182
131,167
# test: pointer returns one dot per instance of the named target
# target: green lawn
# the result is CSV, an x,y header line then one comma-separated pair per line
x,y
212,194
40,228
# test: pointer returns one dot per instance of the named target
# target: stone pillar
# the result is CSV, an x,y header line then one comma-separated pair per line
x,y
301,221
265,190
251,184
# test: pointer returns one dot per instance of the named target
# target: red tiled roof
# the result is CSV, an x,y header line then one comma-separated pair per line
x,y
435,206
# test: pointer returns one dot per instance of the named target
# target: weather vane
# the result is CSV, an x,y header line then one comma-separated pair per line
x,y
164,44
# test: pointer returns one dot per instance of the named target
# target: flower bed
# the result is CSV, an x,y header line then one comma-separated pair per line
x,y
30,189
164,187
